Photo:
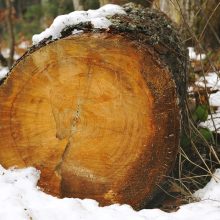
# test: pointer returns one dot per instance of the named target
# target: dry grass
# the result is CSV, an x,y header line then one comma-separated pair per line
x,y
196,162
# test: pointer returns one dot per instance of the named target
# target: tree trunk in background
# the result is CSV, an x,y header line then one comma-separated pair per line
x,y
207,23
65,6
22,5
78,5
170,8
61,6
201,16
181,12
91,4
45,22
11,38
145,3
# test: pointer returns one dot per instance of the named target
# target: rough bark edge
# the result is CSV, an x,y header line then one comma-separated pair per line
x,y
147,26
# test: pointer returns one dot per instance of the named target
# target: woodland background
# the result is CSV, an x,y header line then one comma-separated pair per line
x,y
198,20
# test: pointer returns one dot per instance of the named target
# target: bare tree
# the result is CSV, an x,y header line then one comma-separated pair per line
x,y
78,5
11,38
45,21
145,3
200,16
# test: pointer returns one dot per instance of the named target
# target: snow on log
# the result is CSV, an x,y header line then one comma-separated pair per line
x,y
97,111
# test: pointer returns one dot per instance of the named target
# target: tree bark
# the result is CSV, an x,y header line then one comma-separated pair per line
x,y
99,112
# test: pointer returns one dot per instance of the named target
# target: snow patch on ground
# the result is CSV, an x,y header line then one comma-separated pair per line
x,y
3,72
98,19
211,190
194,56
6,51
212,81
21,199
24,45
214,99
213,123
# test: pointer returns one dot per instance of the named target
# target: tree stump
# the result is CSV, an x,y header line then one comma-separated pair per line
x,y
98,113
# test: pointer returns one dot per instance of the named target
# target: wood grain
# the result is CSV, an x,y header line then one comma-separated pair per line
x,y
96,113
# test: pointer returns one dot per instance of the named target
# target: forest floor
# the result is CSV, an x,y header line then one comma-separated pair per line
x,y
21,199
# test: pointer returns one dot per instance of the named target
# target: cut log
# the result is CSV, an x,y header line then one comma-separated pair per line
x,y
98,113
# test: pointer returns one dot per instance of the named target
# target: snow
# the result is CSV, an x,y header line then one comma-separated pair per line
x,y
3,72
211,190
213,124
98,18
24,45
194,56
212,81
21,199
214,99
6,51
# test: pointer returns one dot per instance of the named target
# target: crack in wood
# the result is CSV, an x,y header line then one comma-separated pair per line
x,y
73,128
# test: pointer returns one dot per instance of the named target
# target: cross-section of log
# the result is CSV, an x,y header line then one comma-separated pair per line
x,y
98,112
